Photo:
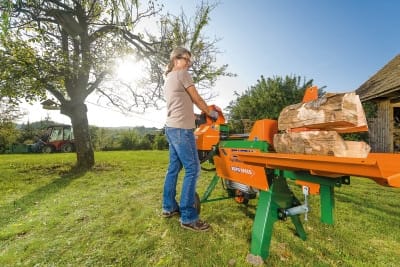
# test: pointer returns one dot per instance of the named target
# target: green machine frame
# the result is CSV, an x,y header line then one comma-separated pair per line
x,y
279,202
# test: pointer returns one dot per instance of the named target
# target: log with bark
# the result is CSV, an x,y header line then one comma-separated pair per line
x,y
339,112
313,128
327,143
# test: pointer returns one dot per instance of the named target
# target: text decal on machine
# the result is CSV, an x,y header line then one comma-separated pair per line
x,y
241,170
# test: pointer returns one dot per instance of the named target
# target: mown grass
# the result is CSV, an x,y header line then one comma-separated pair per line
x,y
50,216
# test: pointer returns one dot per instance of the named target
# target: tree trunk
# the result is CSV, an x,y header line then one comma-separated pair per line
x,y
80,125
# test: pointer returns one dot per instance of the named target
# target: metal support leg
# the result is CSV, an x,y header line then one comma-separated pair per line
x,y
278,197
299,227
327,186
210,188
327,203
266,216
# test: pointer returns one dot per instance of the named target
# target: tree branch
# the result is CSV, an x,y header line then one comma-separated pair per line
x,y
97,82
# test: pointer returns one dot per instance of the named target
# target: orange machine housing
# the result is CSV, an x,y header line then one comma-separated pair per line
x,y
208,134
229,167
264,130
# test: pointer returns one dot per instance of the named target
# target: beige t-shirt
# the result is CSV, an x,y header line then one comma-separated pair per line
x,y
180,113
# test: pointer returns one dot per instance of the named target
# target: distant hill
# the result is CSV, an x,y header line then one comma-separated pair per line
x,y
37,124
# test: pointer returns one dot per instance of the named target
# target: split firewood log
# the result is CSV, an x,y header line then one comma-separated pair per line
x,y
341,112
327,143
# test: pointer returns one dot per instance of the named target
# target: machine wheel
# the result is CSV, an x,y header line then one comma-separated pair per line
x,y
197,203
240,197
47,149
207,166
68,147
205,158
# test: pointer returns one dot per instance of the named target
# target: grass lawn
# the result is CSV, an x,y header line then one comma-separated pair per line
x,y
111,217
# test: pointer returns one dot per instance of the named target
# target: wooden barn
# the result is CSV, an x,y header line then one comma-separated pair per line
x,y
383,88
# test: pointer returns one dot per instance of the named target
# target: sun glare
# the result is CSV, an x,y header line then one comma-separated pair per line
x,y
130,70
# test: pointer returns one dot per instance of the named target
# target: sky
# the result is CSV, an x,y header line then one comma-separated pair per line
x,y
338,44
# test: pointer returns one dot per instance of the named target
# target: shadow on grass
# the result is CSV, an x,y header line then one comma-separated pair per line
x,y
20,207
248,210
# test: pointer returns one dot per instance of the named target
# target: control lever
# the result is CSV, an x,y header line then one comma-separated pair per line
x,y
306,191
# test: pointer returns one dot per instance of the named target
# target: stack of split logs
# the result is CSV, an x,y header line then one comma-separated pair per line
x,y
314,127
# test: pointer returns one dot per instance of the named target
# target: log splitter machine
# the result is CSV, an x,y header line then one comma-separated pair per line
x,y
250,168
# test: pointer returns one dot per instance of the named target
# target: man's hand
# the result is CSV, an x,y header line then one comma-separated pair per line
x,y
213,115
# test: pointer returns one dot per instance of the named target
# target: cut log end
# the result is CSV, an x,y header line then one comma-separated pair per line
x,y
327,143
335,112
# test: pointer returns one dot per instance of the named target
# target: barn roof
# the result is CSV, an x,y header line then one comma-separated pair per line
x,y
383,84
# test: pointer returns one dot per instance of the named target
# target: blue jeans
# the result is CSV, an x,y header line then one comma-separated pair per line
x,y
182,153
